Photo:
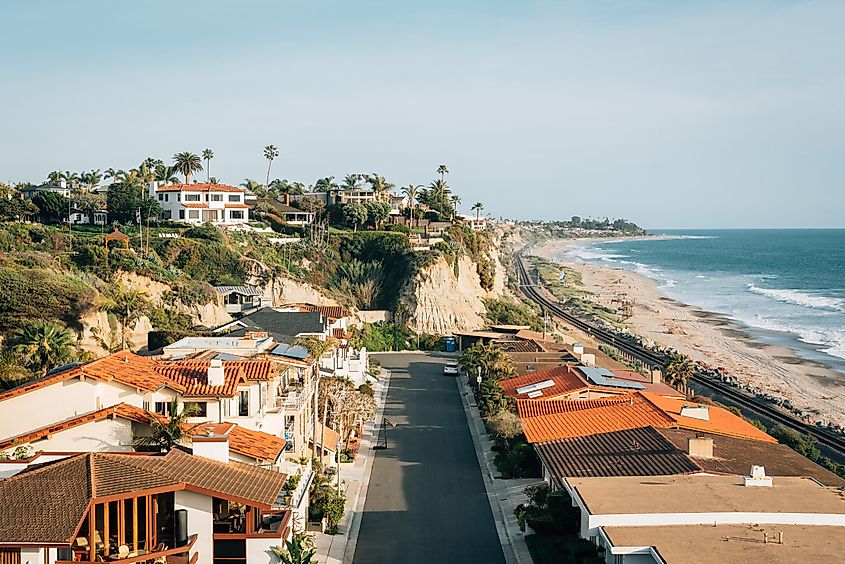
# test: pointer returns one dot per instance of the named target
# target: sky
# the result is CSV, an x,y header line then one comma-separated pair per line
x,y
670,114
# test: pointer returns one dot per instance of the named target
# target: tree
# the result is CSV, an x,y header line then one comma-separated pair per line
x,y
351,182
91,178
310,204
252,186
165,173
378,183
12,374
505,425
52,206
208,154
88,203
326,184
456,200
355,215
187,163
44,345
442,171
169,432
270,153
679,369
411,191
127,305
295,551
377,213
477,207
16,209
72,179
126,196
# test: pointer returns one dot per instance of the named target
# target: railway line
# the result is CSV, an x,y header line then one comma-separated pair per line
x,y
631,349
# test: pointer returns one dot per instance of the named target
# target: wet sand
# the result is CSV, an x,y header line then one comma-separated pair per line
x,y
714,339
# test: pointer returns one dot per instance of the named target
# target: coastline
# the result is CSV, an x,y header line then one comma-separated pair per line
x,y
713,339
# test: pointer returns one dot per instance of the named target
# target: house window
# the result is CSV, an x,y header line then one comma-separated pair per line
x,y
193,214
225,404
167,197
181,214
146,405
201,408
235,198
217,197
243,403
192,197
236,214
161,197
163,408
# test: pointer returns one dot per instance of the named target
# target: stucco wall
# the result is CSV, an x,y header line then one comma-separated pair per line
x,y
107,435
200,522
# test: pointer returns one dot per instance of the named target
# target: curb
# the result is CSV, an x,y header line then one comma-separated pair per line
x,y
477,431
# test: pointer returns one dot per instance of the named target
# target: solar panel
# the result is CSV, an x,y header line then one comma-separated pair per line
x,y
529,389
295,351
606,378
535,394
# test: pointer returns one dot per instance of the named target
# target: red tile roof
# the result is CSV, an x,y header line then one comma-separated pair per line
x,y
332,312
566,380
44,432
199,187
192,376
236,206
191,205
556,419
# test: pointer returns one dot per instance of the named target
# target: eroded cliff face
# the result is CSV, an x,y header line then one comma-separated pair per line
x,y
283,290
443,298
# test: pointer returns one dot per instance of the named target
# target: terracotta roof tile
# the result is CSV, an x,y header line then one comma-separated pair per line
x,y
44,432
199,187
192,205
192,375
333,312
566,380
236,206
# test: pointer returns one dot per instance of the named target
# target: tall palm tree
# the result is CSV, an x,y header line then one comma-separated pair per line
x,y
270,153
44,345
54,177
679,370
456,200
91,179
187,163
166,173
208,154
411,191
170,432
127,305
112,173
326,184
477,207
351,182
378,183
442,171
440,190
72,179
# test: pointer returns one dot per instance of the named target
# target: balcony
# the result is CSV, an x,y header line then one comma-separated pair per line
x,y
293,499
293,399
161,555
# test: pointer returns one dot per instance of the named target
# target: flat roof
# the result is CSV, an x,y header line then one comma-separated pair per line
x,y
704,544
705,494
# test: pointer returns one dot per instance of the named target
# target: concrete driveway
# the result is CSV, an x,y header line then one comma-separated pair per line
x,y
426,500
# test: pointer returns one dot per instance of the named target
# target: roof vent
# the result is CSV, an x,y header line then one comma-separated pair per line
x,y
216,376
578,348
700,447
757,478
696,412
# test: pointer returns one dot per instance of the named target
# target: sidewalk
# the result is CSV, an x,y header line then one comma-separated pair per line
x,y
503,495
354,478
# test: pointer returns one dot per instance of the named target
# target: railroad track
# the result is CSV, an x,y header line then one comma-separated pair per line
x,y
633,349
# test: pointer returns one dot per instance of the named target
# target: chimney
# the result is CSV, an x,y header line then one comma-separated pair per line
x,y
757,478
216,376
62,183
577,348
287,199
213,441
656,376
700,447
696,412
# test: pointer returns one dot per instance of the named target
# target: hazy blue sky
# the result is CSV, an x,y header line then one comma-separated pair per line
x,y
672,114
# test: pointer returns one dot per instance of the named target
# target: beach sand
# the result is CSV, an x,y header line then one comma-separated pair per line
x,y
714,339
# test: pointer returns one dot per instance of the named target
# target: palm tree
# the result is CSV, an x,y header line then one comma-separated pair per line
x,y
91,179
166,173
456,200
44,345
127,305
12,374
440,189
54,177
113,173
442,171
71,178
378,183
679,369
208,154
326,184
270,153
477,207
169,433
351,181
411,191
187,163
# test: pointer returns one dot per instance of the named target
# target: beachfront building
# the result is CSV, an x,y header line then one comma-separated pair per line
x,y
700,519
174,508
242,299
290,214
198,203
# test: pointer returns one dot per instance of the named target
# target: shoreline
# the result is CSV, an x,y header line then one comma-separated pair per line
x,y
712,338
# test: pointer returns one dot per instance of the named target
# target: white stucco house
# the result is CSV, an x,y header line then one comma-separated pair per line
x,y
219,204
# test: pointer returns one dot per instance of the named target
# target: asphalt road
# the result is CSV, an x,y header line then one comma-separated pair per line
x,y
426,500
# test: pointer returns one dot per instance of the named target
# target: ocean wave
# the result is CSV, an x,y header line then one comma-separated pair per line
x,y
670,283
799,298
594,254
828,341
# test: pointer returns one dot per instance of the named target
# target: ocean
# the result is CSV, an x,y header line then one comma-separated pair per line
x,y
787,286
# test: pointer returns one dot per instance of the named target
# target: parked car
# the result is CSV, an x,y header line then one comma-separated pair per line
x,y
451,369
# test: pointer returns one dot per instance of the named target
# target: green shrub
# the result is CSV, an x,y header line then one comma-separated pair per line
x,y
508,312
366,389
397,228
39,294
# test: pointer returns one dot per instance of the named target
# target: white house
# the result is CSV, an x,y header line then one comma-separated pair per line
x,y
121,507
198,203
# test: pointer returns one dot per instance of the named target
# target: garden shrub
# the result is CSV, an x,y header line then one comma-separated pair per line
x,y
39,294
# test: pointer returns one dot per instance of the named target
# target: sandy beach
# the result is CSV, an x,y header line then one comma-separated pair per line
x,y
714,339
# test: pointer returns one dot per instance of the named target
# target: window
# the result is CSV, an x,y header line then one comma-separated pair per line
x,y
146,405
161,197
243,403
192,197
193,214
236,214
181,214
200,408
163,408
217,197
235,198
